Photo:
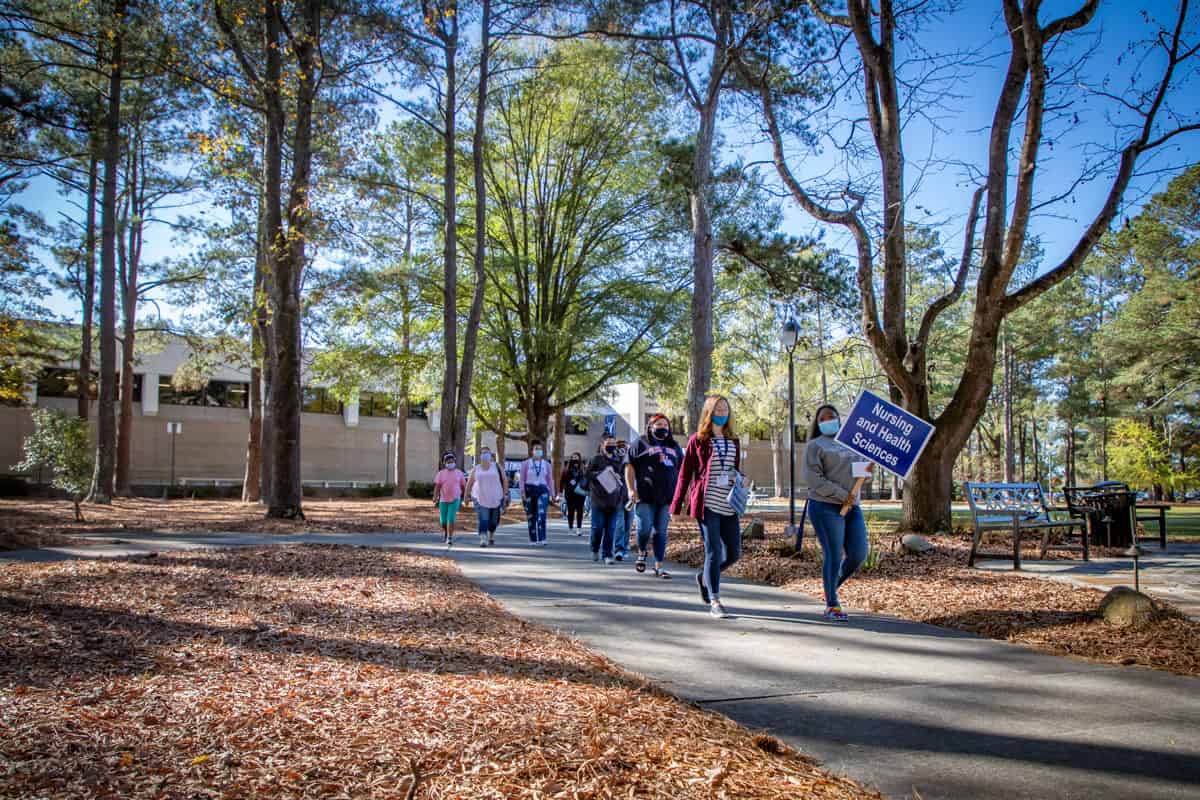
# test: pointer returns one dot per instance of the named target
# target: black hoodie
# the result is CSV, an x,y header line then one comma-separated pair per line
x,y
655,468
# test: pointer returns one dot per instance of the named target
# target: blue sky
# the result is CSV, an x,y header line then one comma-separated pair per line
x,y
940,190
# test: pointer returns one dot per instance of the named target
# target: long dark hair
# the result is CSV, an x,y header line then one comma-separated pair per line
x,y
814,430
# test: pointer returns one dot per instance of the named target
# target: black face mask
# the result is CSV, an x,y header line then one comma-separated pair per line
x,y
610,449
661,433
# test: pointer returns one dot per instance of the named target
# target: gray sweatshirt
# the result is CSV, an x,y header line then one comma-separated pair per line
x,y
828,471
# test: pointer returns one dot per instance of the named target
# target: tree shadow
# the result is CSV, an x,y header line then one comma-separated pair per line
x,y
53,638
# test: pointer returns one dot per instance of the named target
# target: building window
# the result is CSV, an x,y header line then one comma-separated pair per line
x,y
214,394
59,382
376,404
319,400
577,426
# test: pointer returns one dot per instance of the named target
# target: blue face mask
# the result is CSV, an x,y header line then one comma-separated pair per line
x,y
830,426
720,419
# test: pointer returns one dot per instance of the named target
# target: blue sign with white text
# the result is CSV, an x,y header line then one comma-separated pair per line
x,y
884,433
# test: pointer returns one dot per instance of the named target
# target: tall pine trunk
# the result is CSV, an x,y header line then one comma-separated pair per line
x,y
471,334
700,362
129,261
106,421
290,259
84,381
449,410
252,479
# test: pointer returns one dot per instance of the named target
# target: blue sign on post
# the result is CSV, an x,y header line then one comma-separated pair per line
x,y
884,433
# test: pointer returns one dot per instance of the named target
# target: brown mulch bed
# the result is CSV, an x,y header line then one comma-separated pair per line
x,y
321,671
24,520
938,588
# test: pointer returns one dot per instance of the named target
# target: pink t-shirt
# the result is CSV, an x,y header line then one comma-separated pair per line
x,y
487,489
449,485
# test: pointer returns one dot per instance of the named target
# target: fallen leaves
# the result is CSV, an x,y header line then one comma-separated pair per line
x,y
270,673
30,522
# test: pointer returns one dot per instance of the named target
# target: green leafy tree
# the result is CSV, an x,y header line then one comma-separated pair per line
x,y
62,445
579,285
1141,459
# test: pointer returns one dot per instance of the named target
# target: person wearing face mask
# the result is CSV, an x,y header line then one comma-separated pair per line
x,y
711,463
574,489
621,534
651,471
537,492
488,489
607,494
448,488
829,473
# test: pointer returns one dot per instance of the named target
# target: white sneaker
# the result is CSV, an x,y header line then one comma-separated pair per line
x,y
717,610
608,561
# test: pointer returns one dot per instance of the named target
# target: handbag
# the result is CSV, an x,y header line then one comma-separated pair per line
x,y
739,494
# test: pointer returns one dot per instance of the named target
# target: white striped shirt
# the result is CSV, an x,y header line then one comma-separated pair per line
x,y
723,463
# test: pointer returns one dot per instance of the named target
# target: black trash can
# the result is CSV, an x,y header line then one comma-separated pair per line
x,y
1115,524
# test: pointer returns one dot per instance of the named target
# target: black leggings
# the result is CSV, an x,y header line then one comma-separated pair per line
x,y
574,510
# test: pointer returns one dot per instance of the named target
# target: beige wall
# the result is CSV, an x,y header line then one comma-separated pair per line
x,y
213,445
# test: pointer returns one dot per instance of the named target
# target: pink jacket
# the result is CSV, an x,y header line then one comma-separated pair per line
x,y
449,485
693,475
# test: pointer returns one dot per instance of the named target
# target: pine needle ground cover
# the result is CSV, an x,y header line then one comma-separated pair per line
x,y
938,588
339,672
28,522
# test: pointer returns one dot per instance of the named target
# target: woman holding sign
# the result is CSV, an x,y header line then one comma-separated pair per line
x,y
832,473
707,476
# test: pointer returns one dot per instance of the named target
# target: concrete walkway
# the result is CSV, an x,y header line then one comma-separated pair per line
x,y
1172,575
903,706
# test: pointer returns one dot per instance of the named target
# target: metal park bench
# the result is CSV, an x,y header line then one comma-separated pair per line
x,y
209,481
1018,507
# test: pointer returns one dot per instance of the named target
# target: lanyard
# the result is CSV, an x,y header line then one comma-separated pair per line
x,y
723,451
537,468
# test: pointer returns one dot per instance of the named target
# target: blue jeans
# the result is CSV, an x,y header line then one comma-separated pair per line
x,y
604,525
537,500
621,534
722,548
838,534
489,519
653,518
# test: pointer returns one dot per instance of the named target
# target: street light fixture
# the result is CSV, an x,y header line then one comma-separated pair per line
x,y
788,338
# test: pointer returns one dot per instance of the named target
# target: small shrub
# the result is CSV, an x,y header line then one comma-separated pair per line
x,y
421,490
63,445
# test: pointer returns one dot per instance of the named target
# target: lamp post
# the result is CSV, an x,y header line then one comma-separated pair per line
x,y
388,438
788,338
174,429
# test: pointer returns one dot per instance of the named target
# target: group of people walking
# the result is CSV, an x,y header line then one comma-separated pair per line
x,y
654,479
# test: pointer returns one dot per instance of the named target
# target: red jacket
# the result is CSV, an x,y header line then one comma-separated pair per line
x,y
693,475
